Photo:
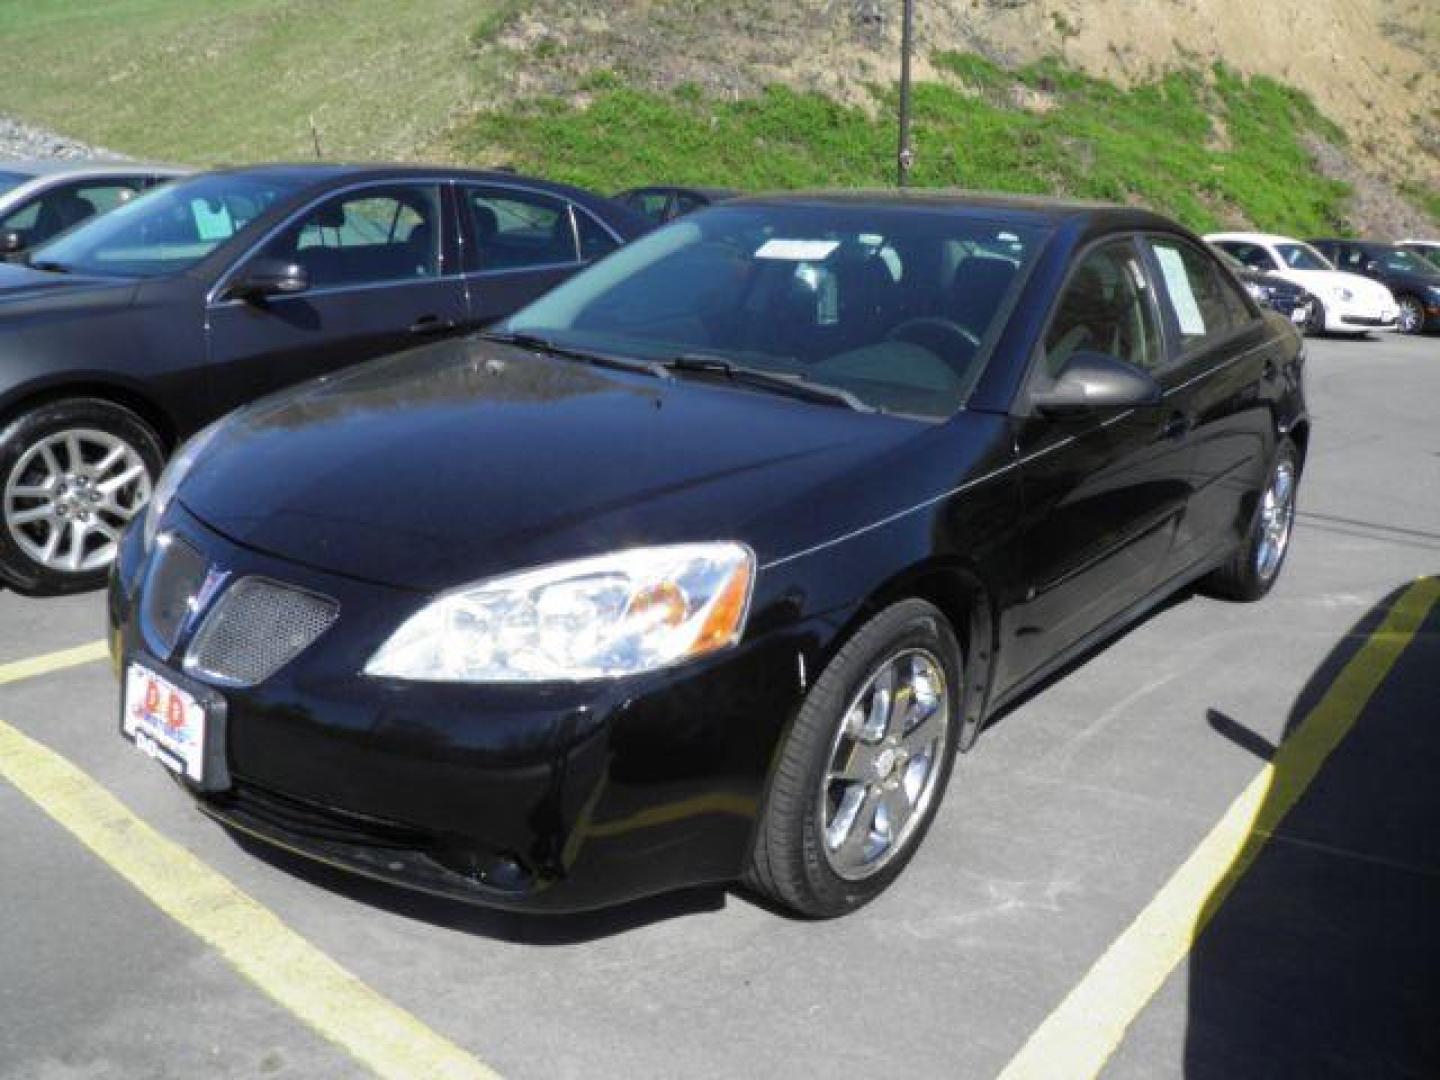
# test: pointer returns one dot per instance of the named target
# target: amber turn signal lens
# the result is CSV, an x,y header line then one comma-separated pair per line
x,y
727,614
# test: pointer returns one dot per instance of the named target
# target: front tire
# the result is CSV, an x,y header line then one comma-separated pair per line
x,y
1412,315
1315,325
862,771
73,474
1255,567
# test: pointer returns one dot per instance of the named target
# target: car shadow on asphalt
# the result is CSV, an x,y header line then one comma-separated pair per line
x,y
1322,958
508,926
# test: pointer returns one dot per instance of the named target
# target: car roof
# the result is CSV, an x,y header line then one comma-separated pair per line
x,y
52,167
1254,238
1034,208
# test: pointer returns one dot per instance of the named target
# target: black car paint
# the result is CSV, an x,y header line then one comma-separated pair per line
x,y
178,353
1038,538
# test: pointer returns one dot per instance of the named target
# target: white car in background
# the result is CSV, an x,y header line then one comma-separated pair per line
x,y
41,199
1344,303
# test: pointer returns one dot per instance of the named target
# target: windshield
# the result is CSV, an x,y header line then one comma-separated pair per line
x,y
164,231
1302,257
1404,262
895,306
10,180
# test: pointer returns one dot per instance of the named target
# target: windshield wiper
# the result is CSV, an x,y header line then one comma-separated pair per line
x,y
48,266
780,382
539,343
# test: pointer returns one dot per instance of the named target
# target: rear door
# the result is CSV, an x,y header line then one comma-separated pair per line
x,y
1102,493
382,267
1221,359
519,243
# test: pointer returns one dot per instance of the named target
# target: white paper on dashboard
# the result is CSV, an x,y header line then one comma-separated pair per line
x,y
1177,281
797,250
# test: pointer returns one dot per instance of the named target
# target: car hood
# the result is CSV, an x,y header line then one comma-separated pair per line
x,y
24,287
452,463
1324,282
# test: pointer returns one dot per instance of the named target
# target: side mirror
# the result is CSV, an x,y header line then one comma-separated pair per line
x,y
11,243
1093,382
269,277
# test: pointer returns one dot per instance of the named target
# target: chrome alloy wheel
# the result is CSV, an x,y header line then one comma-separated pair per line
x,y
1412,315
70,496
884,763
1277,517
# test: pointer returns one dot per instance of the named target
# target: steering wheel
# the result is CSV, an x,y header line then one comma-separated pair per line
x,y
946,338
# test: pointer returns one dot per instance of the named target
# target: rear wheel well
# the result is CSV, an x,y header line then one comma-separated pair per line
x,y
154,417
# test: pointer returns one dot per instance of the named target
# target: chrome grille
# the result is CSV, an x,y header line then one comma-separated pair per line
x,y
257,627
175,578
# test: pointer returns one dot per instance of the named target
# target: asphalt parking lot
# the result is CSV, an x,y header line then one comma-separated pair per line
x,y
1211,849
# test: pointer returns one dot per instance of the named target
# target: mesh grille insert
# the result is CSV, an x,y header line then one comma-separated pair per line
x,y
174,579
256,628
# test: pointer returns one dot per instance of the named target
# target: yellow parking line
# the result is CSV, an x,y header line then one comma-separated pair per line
x,y
337,1005
56,661
1079,1037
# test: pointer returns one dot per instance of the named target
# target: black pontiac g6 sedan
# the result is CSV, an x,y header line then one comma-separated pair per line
x,y
705,565
128,333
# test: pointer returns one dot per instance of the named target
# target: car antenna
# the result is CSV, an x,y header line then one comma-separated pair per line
x,y
315,137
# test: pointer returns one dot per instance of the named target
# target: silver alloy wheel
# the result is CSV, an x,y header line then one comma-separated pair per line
x,y
1277,517
884,763
71,495
1411,315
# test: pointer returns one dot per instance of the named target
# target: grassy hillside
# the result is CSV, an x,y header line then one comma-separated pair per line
x,y
210,81
1213,149
753,93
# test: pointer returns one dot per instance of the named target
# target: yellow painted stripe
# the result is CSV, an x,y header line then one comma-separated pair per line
x,y
56,661
337,1005
1079,1037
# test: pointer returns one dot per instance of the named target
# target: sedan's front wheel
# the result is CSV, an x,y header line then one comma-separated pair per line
x,y
73,474
862,771
1412,315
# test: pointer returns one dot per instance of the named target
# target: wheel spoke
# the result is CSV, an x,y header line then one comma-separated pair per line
x,y
894,807
115,483
853,849
881,696
29,517
858,763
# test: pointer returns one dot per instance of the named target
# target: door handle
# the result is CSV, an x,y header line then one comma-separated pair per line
x,y
1177,426
431,324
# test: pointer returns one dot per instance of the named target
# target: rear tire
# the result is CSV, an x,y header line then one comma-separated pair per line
x,y
1255,567
73,474
862,771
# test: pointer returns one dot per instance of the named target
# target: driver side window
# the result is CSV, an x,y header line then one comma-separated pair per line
x,y
1105,308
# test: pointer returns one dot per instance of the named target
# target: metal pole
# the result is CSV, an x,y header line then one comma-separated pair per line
x,y
906,156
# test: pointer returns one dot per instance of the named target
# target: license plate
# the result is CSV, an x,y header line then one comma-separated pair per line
x,y
164,722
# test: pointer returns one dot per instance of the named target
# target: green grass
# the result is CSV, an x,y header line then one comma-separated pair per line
x,y
1153,144
208,81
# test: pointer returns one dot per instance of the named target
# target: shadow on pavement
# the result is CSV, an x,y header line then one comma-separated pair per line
x,y
1324,958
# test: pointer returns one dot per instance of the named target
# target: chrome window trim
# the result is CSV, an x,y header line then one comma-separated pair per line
x,y
360,185
334,290
574,209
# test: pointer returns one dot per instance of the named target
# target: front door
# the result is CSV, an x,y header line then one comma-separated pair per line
x,y
1102,493
380,280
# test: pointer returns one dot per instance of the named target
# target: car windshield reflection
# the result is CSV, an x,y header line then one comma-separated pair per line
x,y
896,309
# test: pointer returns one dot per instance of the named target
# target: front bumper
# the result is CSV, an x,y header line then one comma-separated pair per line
x,y
1358,318
557,797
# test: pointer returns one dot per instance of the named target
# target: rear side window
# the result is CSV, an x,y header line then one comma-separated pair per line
x,y
1205,306
1105,308
595,240
517,230
653,204
365,237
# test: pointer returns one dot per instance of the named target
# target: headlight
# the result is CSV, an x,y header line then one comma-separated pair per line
x,y
597,618
1434,291
1259,293
170,480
